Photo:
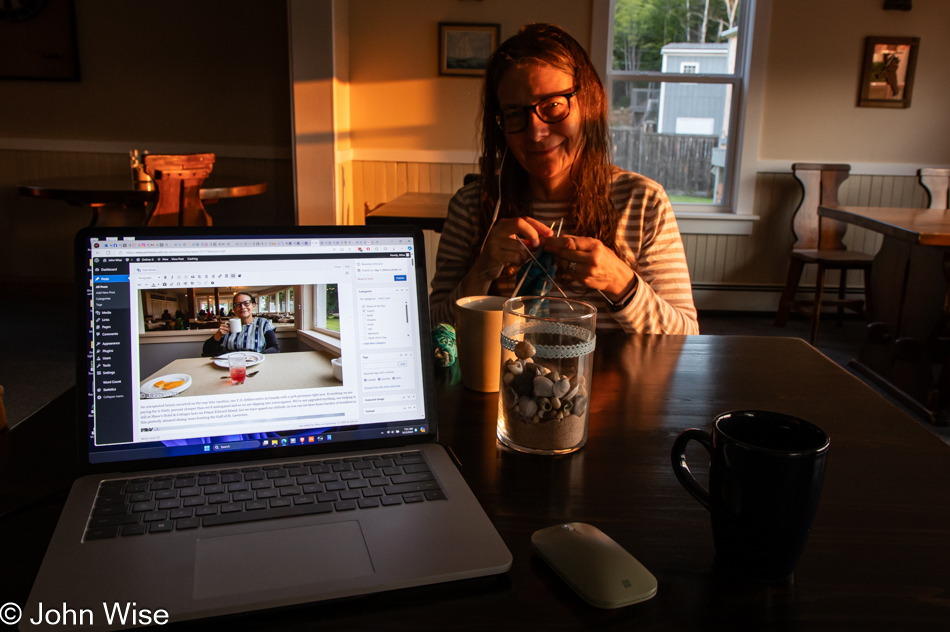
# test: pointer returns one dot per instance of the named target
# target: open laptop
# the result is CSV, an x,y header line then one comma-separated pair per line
x,y
311,480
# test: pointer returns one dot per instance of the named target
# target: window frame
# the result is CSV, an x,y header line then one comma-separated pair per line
x,y
735,214
318,317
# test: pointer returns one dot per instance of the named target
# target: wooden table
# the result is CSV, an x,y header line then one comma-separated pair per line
x,y
102,192
425,210
278,372
906,348
878,557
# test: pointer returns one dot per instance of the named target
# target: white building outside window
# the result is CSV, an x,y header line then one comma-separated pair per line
x,y
681,106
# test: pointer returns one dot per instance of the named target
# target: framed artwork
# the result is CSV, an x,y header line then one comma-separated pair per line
x,y
464,49
38,40
887,76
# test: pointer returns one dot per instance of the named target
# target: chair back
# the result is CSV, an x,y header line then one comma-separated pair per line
x,y
937,184
178,179
820,183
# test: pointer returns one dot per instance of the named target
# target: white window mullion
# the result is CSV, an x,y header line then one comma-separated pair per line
x,y
684,105
320,306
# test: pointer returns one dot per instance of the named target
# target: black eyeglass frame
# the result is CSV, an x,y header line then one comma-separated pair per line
x,y
529,109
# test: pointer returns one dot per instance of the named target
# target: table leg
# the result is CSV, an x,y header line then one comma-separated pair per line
x,y
910,285
117,215
942,338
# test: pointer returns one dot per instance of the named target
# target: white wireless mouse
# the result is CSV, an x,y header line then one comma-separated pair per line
x,y
601,571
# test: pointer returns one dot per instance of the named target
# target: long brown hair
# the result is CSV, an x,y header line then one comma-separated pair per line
x,y
592,211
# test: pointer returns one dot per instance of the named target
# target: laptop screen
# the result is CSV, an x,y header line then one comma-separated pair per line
x,y
207,341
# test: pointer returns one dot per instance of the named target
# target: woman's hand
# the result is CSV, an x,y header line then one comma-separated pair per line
x,y
503,250
223,330
589,262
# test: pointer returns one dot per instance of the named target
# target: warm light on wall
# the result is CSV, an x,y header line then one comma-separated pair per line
x,y
394,110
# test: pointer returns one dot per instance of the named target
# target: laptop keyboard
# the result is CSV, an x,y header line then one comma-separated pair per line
x,y
165,503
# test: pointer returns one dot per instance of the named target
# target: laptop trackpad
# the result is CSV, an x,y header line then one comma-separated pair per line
x,y
279,558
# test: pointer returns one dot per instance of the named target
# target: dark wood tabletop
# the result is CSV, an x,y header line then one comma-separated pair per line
x,y
878,557
118,189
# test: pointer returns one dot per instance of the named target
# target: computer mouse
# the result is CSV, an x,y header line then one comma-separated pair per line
x,y
601,571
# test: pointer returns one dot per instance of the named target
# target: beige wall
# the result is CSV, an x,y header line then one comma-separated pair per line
x,y
213,71
398,100
814,66
173,75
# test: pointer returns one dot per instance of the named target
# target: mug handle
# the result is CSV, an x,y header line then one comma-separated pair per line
x,y
681,469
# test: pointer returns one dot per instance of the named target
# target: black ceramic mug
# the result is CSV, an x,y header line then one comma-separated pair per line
x,y
765,477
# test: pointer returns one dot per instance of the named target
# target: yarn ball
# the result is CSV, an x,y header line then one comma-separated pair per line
x,y
443,345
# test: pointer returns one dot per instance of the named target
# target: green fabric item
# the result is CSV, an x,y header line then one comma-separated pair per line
x,y
443,345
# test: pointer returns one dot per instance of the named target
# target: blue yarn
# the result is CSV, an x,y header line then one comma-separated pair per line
x,y
537,283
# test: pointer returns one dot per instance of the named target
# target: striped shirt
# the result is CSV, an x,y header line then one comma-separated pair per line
x,y
647,235
250,338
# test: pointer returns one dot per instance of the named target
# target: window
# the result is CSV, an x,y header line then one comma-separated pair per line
x,y
326,307
677,80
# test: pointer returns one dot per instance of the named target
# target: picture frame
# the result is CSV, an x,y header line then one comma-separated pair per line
x,y
464,48
887,75
38,41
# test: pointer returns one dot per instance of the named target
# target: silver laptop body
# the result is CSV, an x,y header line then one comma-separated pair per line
x,y
347,490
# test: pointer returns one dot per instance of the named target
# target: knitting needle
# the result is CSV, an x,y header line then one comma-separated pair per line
x,y
545,272
544,286
528,271
558,235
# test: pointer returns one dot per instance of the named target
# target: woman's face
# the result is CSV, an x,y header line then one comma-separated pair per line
x,y
242,312
545,150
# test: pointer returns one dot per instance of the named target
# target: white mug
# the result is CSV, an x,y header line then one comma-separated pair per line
x,y
235,324
478,340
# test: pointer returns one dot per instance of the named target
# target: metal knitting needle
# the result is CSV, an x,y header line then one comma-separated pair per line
x,y
528,271
558,235
544,286
545,272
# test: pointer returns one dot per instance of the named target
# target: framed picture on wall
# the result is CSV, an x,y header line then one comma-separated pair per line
x,y
887,76
464,49
38,40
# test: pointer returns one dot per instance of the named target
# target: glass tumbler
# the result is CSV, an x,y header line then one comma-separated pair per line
x,y
237,364
547,353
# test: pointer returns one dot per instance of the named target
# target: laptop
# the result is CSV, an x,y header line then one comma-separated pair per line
x,y
216,485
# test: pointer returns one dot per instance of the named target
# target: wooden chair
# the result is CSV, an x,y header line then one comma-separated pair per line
x,y
178,179
818,240
937,184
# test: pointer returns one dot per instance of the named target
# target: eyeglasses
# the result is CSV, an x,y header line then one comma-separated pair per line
x,y
243,303
551,110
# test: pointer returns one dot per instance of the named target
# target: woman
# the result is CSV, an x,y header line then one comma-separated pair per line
x,y
257,334
546,140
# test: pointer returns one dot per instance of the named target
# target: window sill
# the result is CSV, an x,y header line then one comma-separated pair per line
x,y
692,223
319,341
174,335
188,335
